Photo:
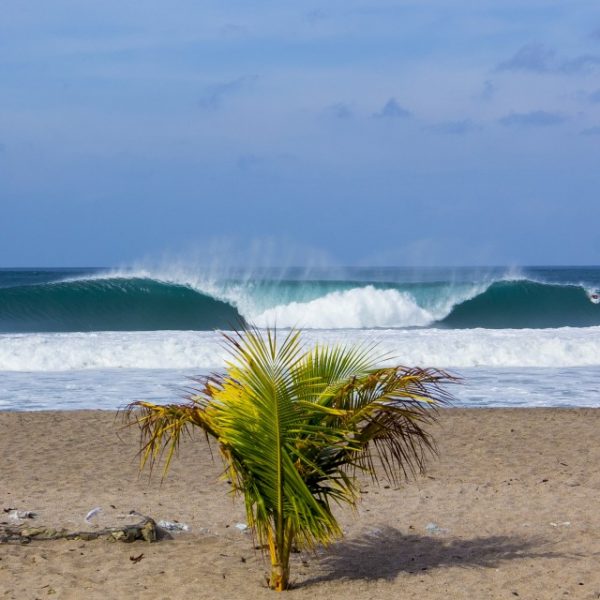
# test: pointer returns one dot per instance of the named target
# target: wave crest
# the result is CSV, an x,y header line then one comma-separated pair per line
x,y
525,304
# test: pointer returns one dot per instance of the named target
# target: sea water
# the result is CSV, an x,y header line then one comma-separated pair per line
x,y
100,338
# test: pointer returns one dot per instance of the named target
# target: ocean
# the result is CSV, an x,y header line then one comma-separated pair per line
x,y
101,338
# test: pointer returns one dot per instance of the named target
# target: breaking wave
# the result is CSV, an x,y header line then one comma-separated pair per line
x,y
117,302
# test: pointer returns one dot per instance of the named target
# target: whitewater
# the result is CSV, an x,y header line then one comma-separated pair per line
x,y
101,338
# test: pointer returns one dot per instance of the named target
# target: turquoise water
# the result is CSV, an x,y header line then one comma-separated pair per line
x,y
102,300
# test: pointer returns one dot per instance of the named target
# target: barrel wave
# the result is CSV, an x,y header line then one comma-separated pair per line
x,y
525,304
145,302
502,304
111,304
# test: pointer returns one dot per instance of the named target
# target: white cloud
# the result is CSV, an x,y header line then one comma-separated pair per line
x,y
392,110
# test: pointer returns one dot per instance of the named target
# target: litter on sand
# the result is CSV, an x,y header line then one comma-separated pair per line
x,y
16,515
434,528
92,514
173,526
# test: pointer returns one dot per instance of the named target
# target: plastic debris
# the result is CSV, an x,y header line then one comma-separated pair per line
x,y
241,526
92,514
173,526
563,524
15,514
434,528
374,532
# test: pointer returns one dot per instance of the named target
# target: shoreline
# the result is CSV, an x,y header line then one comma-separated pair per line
x,y
509,505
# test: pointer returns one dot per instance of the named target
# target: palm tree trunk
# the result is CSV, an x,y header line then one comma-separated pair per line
x,y
280,577
280,546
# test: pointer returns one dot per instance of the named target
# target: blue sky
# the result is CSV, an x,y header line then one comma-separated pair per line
x,y
358,132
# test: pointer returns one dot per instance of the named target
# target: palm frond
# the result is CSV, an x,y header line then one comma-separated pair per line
x,y
162,426
389,411
260,422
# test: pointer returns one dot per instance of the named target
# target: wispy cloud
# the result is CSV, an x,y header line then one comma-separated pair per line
x,y
538,58
594,97
340,110
463,127
591,130
245,162
489,90
214,95
392,110
531,57
232,30
315,16
581,63
535,118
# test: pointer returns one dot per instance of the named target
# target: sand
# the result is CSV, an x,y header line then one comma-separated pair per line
x,y
514,496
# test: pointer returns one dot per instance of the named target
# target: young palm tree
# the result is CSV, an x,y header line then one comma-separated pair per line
x,y
293,426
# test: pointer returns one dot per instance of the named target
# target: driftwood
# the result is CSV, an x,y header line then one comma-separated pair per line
x,y
23,534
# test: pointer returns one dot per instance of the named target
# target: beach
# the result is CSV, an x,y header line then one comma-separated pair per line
x,y
509,508
308,223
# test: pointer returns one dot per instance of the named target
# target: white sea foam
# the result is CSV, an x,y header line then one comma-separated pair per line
x,y
111,350
565,347
352,309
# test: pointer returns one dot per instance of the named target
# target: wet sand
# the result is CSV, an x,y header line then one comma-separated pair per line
x,y
510,508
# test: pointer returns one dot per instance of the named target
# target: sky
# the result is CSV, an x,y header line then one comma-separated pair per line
x,y
352,132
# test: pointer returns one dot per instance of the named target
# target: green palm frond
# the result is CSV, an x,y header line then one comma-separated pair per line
x,y
388,411
260,424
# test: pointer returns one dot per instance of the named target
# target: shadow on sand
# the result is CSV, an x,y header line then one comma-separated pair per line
x,y
388,552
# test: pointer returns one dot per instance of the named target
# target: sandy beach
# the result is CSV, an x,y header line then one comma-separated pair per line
x,y
508,509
